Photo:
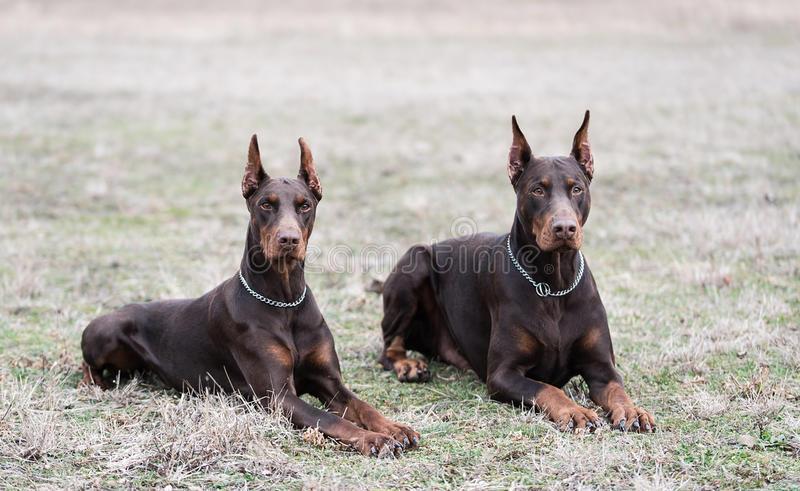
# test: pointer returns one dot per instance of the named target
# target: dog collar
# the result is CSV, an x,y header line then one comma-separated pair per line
x,y
543,289
269,301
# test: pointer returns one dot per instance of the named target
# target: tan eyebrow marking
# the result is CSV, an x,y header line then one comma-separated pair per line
x,y
272,198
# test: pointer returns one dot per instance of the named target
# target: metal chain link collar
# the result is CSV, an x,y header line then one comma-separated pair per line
x,y
269,301
543,289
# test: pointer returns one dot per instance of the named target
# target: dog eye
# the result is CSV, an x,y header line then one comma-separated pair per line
x,y
577,190
264,205
538,191
305,207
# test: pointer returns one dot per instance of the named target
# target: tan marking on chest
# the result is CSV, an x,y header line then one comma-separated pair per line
x,y
281,354
524,340
321,356
590,339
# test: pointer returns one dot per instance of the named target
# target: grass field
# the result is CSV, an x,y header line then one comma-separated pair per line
x,y
123,137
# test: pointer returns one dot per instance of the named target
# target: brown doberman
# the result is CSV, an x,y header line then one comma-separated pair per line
x,y
520,309
259,333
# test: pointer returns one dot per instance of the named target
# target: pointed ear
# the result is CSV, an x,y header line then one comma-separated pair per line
x,y
581,149
308,172
253,172
519,155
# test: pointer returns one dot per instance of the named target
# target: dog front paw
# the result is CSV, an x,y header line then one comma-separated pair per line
x,y
402,433
377,445
575,418
632,418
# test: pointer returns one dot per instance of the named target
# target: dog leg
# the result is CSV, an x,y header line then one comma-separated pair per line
x,y
605,384
104,346
407,369
342,401
268,370
319,373
508,385
606,390
402,304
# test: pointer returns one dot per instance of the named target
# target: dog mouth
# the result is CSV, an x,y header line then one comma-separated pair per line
x,y
549,243
559,246
566,247
285,254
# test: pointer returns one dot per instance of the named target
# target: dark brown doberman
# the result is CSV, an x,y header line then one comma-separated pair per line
x,y
260,333
521,309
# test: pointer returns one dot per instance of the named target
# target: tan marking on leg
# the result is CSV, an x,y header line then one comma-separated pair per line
x,y
624,414
563,411
396,349
612,395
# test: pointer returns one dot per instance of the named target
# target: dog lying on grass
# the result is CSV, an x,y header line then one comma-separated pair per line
x,y
520,309
259,333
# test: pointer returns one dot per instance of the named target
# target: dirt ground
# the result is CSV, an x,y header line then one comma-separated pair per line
x,y
123,136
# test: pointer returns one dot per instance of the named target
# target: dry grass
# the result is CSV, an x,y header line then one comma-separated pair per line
x,y
122,137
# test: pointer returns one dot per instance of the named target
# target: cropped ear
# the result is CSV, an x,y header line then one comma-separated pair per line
x,y
253,172
308,172
581,149
519,155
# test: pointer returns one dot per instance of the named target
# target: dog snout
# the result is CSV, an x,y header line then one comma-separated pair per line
x,y
564,228
288,238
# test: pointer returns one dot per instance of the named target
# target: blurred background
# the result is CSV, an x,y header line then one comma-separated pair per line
x,y
123,136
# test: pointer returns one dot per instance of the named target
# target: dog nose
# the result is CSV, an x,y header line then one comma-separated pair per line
x,y
288,238
564,228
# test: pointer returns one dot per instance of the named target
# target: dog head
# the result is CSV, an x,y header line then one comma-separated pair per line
x,y
553,198
282,210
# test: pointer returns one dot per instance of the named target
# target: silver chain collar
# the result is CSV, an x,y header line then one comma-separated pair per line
x,y
269,301
543,289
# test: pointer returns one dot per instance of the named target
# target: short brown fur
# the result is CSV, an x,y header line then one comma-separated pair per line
x,y
229,340
489,318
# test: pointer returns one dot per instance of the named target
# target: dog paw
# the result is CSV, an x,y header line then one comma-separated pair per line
x,y
403,434
93,377
412,370
373,444
577,419
632,418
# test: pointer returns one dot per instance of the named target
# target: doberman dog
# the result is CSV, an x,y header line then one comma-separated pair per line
x,y
521,309
259,333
